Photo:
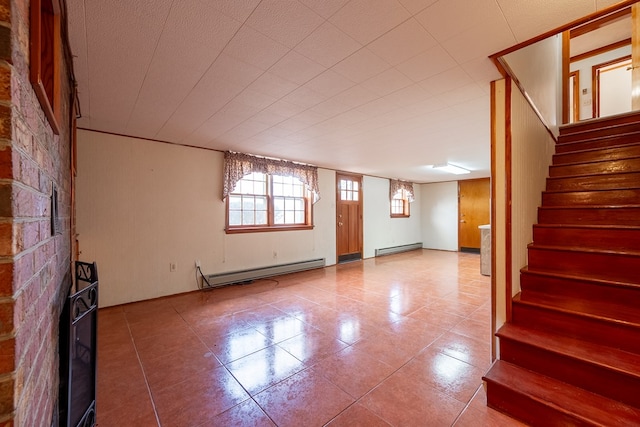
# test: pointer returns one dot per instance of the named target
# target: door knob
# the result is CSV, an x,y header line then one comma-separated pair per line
x,y
462,220
340,224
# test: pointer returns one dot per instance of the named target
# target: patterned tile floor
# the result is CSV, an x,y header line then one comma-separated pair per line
x,y
401,340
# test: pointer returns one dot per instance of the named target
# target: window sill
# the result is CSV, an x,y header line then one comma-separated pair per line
x,y
399,216
236,230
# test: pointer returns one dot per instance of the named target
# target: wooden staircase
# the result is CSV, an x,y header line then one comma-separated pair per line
x,y
571,353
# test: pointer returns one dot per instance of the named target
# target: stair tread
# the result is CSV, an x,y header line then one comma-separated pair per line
x,y
603,310
590,226
588,162
600,138
593,190
601,149
616,283
634,206
563,397
605,356
583,249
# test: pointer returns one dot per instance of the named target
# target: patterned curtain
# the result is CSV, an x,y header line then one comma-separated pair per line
x,y
395,186
237,165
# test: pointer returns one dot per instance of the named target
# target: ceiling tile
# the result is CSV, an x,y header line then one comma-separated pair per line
x,y
296,68
360,66
327,45
252,47
135,28
233,70
236,9
287,22
355,96
304,97
366,20
325,8
329,83
181,57
449,80
273,85
209,96
285,108
330,108
427,64
465,46
532,18
409,95
377,107
462,94
310,117
402,43
387,82
415,6
482,70
439,18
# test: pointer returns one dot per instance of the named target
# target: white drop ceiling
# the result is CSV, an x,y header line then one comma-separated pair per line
x,y
379,87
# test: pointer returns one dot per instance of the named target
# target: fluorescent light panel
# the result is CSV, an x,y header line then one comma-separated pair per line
x,y
456,170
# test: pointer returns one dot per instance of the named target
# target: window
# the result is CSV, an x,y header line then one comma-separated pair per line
x,y
400,204
44,57
349,190
261,202
400,196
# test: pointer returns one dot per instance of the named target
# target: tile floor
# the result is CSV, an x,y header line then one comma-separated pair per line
x,y
401,340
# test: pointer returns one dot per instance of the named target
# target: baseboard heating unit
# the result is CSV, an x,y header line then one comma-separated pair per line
x,y
222,279
398,249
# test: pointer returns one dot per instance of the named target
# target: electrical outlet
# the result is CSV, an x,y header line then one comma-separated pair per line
x,y
173,267
197,263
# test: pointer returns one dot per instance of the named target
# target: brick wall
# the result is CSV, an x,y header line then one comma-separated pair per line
x,y
34,265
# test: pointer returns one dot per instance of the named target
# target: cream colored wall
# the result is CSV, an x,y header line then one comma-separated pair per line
x,y
532,150
142,205
439,204
378,222
500,207
538,68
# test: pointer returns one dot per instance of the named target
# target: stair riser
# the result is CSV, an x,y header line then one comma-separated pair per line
x,y
579,289
593,216
617,153
615,267
601,331
601,238
592,198
595,182
603,142
526,409
579,373
605,167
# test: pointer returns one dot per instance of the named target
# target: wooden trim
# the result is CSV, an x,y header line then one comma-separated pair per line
x,y
266,228
44,67
576,95
566,52
508,203
576,23
601,50
595,83
493,219
601,22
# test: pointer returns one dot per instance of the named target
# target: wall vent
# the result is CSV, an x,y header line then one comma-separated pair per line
x,y
398,249
222,279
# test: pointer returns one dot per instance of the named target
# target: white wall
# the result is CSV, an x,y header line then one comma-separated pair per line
x,y
380,230
142,205
584,68
538,68
439,204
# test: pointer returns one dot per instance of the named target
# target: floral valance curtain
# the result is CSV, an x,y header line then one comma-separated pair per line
x,y
395,186
237,165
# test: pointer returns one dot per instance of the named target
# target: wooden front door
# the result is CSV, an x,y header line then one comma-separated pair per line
x,y
348,217
473,210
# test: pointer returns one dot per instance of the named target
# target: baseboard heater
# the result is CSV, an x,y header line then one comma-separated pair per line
x,y
398,249
222,279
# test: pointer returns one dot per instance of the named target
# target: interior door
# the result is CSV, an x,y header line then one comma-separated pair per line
x,y
348,217
612,87
474,200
